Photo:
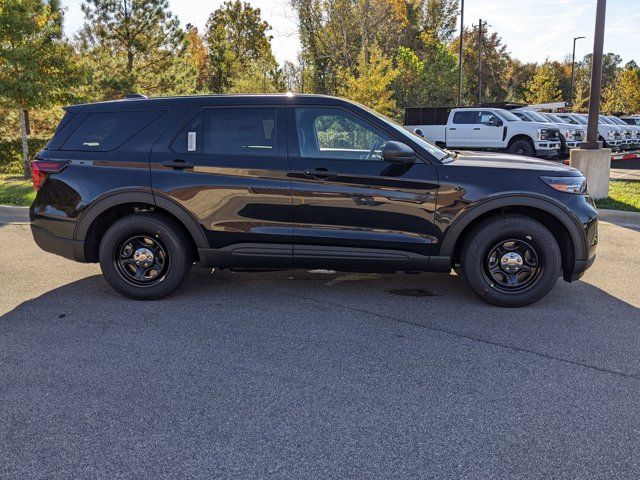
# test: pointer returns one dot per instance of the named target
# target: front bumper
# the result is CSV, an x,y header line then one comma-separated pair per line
x,y
581,266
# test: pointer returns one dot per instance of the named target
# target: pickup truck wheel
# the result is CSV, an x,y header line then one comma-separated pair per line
x,y
522,147
145,256
511,260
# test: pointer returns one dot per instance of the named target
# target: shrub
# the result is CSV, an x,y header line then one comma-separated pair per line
x,y
11,154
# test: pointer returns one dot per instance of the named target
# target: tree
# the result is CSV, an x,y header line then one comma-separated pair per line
x,y
135,46
238,45
544,86
623,95
37,67
369,82
441,18
197,54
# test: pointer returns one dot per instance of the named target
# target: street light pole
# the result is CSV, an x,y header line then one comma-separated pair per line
x,y
573,66
480,62
460,53
592,142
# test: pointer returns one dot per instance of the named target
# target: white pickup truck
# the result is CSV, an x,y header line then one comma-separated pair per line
x,y
492,129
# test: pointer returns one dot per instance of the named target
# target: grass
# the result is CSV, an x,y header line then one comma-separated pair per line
x,y
623,195
16,190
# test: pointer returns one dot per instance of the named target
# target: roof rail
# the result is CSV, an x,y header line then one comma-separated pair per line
x,y
135,95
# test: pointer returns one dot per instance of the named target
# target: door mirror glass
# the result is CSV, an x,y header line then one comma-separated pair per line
x,y
495,122
398,152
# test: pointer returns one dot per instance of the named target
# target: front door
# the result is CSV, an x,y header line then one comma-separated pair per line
x,y
489,131
228,167
352,209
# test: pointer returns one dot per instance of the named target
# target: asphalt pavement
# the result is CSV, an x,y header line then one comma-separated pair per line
x,y
316,375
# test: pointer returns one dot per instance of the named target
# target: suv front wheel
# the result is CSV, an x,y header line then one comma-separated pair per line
x,y
145,256
511,260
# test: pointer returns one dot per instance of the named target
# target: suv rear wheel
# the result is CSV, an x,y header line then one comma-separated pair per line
x,y
511,260
145,256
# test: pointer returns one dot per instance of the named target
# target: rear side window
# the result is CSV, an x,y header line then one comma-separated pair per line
x,y
104,131
469,118
239,131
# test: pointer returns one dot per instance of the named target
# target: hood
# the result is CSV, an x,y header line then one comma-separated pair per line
x,y
506,161
548,126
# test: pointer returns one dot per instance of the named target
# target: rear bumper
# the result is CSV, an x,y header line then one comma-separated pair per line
x,y
65,247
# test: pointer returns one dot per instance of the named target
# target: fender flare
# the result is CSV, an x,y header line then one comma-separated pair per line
x,y
570,222
120,197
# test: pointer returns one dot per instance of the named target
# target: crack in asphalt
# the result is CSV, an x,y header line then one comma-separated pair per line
x,y
474,339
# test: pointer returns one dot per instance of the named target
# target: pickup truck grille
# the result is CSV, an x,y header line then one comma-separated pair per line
x,y
553,135
578,136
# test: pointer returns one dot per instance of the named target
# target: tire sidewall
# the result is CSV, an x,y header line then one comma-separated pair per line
x,y
528,150
158,228
487,235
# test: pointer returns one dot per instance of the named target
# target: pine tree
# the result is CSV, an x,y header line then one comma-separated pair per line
x,y
135,46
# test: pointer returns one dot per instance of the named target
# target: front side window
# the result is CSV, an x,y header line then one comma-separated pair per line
x,y
336,133
239,131
487,117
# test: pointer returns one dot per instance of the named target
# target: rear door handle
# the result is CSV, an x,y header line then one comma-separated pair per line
x,y
452,129
321,173
177,164
476,128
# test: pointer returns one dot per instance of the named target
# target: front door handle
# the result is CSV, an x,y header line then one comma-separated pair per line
x,y
177,164
321,173
477,128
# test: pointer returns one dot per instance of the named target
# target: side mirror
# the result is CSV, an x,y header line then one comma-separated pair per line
x,y
418,132
495,122
398,152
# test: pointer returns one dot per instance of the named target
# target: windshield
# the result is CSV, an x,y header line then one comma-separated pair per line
x,y
580,119
554,118
537,117
617,120
604,119
429,147
522,116
507,115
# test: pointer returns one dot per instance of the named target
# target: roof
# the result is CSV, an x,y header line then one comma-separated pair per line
x,y
136,103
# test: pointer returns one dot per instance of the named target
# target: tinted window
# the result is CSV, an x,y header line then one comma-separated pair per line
x,y
469,118
486,117
104,131
238,131
189,139
335,133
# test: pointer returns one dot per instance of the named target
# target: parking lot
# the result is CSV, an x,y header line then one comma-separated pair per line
x,y
317,375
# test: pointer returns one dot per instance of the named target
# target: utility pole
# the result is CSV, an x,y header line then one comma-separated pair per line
x,y
460,53
592,142
573,65
480,62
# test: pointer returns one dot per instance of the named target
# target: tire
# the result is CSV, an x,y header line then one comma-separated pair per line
x,y
511,260
522,147
145,256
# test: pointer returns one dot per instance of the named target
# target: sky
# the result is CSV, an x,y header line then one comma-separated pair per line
x,y
533,30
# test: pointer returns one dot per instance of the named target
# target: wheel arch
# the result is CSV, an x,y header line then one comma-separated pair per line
x,y
521,136
562,224
95,220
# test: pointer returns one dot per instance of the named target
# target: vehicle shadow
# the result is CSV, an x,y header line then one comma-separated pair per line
x,y
577,322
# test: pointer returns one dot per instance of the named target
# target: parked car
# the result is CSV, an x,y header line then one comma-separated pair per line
x,y
609,135
147,187
634,130
631,120
626,134
492,129
571,136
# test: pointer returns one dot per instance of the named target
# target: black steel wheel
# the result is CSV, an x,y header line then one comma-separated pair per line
x,y
141,260
511,260
145,255
522,147
513,265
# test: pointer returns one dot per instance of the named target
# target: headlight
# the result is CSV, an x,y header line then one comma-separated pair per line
x,y
543,134
610,134
567,184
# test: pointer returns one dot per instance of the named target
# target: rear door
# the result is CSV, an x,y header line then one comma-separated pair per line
x,y
352,209
460,130
228,167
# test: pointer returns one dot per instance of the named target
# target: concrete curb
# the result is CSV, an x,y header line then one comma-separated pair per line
x,y
619,216
10,214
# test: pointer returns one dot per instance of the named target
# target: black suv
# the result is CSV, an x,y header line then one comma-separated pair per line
x,y
147,187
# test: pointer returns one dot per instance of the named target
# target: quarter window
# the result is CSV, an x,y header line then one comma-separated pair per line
x,y
104,131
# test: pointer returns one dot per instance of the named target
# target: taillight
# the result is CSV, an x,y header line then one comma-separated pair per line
x,y
41,168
